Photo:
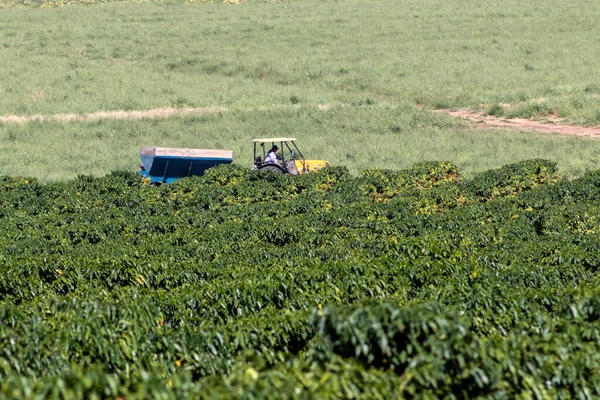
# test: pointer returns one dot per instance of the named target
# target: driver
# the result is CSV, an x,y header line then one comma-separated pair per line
x,y
272,155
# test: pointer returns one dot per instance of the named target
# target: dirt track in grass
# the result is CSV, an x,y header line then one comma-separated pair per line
x,y
550,125
164,112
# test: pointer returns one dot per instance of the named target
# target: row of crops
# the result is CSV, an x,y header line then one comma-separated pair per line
x,y
391,284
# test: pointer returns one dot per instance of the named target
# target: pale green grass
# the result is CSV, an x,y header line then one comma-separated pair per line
x,y
373,61
440,54
358,137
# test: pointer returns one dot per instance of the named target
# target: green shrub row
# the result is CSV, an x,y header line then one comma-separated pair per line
x,y
330,285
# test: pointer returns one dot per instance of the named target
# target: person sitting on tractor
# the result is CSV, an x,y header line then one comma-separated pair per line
x,y
272,156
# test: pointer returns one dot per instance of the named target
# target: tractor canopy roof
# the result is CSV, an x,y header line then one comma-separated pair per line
x,y
273,140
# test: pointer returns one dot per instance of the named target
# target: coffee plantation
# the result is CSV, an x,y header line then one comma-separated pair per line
x,y
391,284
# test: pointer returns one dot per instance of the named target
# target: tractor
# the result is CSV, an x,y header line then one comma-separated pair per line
x,y
296,164
165,165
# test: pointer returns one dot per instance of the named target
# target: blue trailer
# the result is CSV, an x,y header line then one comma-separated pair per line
x,y
165,165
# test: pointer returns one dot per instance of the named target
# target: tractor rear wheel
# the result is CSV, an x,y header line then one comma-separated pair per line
x,y
272,168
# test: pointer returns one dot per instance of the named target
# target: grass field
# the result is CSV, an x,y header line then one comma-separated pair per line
x,y
380,67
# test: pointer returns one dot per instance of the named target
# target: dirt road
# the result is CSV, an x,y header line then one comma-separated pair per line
x,y
165,112
477,119
549,125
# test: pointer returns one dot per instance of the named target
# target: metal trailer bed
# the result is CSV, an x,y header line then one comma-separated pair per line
x,y
165,165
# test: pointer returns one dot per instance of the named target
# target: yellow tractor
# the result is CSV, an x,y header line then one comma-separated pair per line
x,y
290,160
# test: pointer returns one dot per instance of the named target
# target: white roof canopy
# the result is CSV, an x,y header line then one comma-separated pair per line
x,y
273,140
